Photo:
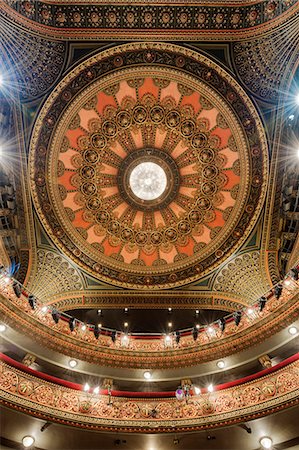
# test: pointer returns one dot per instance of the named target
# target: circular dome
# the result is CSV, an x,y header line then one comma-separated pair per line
x,y
148,181
148,174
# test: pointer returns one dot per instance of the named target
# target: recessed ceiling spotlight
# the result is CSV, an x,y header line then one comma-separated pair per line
x,y
210,330
169,309
197,311
126,310
170,324
266,442
167,338
96,390
28,441
147,375
197,326
210,388
72,363
220,364
2,327
126,324
293,330
197,390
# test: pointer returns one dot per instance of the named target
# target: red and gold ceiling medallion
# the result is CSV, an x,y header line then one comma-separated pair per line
x,y
145,172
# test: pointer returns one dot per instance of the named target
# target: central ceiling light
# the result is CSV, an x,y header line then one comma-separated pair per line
x,y
148,181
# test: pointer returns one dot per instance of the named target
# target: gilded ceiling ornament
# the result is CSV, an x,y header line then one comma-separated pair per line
x,y
206,165
120,19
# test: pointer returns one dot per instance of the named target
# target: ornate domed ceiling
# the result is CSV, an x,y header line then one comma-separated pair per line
x,y
148,165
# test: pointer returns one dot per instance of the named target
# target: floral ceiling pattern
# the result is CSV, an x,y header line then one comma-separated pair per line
x,y
148,103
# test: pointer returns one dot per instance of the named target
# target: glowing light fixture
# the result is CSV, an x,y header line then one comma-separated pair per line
x,y
167,339
220,364
126,324
96,390
293,330
170,324
72,363
297,98
266,442
28,441
197,390
147,375
210,388
44,309
2,327
148,181
83,328
86,387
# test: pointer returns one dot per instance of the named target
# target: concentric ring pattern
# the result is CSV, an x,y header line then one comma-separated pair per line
x,y
148,103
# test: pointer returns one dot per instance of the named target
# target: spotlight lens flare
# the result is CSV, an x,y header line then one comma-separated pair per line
x,y
210,388
86,387
147,375
293,330
197,390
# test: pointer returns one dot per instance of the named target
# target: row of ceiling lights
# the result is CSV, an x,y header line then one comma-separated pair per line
x,y
293,274
266,442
